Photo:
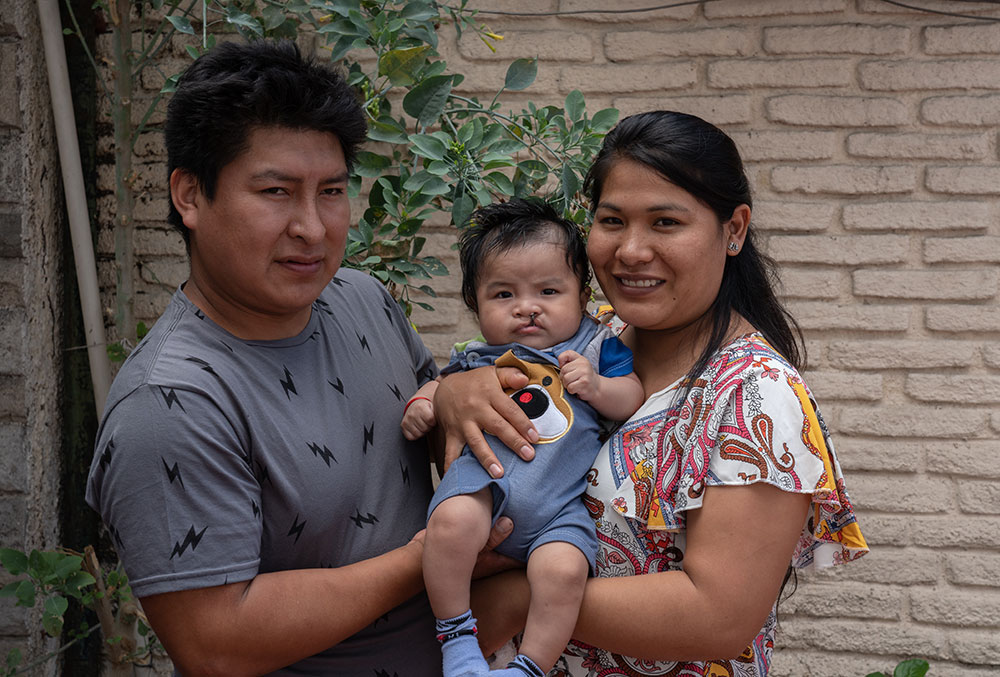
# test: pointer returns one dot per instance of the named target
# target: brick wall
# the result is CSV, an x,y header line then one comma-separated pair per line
x,y
870,133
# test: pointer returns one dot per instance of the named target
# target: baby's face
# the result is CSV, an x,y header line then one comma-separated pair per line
x,y
529,295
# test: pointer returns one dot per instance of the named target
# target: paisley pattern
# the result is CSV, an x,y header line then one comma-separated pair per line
x,y
747,418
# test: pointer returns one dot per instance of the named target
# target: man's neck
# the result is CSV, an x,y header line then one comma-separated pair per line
x,y
245,324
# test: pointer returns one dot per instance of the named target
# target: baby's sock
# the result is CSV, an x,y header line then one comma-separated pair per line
x,y
459,648
519,667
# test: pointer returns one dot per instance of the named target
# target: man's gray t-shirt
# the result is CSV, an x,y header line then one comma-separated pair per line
x,y
219,458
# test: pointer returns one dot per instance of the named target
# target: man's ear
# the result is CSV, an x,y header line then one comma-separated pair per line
x,y
187,196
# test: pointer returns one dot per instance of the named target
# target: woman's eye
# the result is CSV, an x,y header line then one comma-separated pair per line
x,y
665,222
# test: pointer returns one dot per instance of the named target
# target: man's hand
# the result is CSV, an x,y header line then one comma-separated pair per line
x,y
467,403
489,562
577,375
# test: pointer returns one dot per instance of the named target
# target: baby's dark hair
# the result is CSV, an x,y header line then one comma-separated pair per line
x,y
502,226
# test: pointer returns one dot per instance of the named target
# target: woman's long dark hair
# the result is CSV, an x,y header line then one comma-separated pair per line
x,y
700,158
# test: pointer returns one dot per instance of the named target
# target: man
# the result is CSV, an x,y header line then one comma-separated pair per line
x,y
250,466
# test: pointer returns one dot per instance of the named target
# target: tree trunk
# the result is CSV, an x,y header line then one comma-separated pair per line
x,y
121,112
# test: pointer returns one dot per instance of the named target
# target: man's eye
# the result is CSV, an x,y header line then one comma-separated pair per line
x,y
275,190
334,191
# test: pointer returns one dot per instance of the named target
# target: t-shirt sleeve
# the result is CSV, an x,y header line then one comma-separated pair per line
x,y
616,358
177,492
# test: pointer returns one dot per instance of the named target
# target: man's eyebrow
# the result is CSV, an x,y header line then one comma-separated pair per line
x,y
666,207
278,175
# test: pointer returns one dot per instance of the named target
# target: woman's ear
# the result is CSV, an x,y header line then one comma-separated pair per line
x,y
585,295
186,195
736,229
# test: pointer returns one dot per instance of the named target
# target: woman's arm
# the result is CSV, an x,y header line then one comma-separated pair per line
x,y
739,544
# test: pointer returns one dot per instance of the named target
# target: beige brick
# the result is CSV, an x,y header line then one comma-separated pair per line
x,y
965,388
967,39
811,284
911,215
778,215
963,318
837,39
977,180
969,458
973,568
9,114
918,146
526,6
840,250
912,421
151,145
621,46
980,498
152,79
488,78
952,607
725,10
548,46
169,272
851,600
730,109
622,12
936,285
881,530
757,146
835,111
446,310
975,111
991,355
793,662
909,74
906,354
843,385
12,337
980,249
628,79
743,74
821,316
879,638
844,179
896,566
886,494
158,242
857,453
12,392
982,648
954,532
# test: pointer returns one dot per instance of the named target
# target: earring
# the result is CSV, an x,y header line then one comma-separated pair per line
x,y
733,247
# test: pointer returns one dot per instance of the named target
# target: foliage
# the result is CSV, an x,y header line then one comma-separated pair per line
x,y
914,667
54,578
443,152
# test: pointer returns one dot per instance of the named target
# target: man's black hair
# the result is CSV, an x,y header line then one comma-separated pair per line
x,y
502,226
236,88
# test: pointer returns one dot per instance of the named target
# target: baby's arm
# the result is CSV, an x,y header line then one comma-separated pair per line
x,y
418,417
615,397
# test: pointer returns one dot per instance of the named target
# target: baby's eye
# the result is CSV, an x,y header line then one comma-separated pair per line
x,y
549,292
504,295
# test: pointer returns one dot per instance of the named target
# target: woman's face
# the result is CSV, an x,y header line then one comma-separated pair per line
x,y
657,251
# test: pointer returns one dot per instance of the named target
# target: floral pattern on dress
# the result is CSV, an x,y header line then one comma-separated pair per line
x,y
747,418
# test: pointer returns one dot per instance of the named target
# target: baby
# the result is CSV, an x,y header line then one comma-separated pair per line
x,y
525,275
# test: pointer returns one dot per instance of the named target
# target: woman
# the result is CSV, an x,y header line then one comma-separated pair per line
x,y
725,478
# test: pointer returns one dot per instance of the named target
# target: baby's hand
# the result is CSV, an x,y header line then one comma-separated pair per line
x,y
418,419
578,375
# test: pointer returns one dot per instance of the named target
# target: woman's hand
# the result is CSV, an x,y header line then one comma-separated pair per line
x,y
467,403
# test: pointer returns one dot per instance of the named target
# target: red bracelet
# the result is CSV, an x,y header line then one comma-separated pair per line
x,y
414,399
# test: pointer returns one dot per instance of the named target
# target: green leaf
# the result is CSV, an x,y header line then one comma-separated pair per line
x,y
402,65
501,181
418,11
67,565
192,51
507,146
274,16
914,667
570,183
409,227
434,266
77,580
25,593
56,605
575,105
521,74
426,101
370,164
67,31
13,658
604,120
461,209
243,20
170,84
387,130
427,146
181,24
14,561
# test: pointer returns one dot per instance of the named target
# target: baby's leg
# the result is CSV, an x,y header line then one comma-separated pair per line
x,y
456,531
557,573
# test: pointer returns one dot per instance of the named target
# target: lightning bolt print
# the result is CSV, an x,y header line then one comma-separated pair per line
x,y
205,366
106,454
363,340
288,384
315,335
191,538
359,521
387,307
340,283
338,386
395,391
297,528
117,536
406,473
200,315
255,507
322,306
369,438
262,474
170,397
322,452
227,346
173,473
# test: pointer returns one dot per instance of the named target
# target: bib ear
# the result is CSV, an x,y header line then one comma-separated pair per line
x,y
543,399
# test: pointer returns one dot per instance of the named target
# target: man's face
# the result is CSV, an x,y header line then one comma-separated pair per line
x,y
273,236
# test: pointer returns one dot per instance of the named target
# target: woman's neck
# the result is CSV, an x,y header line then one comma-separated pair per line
x,y
660,357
